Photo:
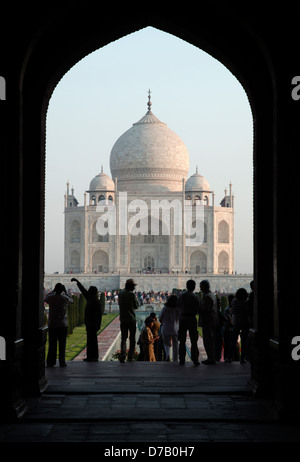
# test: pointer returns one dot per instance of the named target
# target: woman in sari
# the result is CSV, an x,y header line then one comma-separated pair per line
x,y
148,340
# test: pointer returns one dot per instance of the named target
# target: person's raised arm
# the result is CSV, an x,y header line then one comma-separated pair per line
x,y
80,287
70,299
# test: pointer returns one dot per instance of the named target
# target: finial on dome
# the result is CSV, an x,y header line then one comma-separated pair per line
x,y
196,168
149,101
101,168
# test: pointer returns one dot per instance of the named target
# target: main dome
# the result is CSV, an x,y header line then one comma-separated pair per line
x,y
149,156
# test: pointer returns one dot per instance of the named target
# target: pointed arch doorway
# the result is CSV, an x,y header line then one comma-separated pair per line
x,y
37,86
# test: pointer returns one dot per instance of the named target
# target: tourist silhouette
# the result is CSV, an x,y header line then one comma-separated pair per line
x,y
58,300
189,304
209,319
92,319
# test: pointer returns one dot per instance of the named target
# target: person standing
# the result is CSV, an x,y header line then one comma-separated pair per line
x,y
240,323
209,317
128,304
155,330
189,304
227,328
58,300
147,340
251,320
169,319
92,319
251,305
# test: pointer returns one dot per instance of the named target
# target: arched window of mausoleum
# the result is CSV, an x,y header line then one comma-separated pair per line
x,y
75,231
75,262
223,262
223,232
100,262
198,262
96,237
149,263
198,232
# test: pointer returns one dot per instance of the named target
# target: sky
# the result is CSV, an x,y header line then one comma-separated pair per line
x,y
107,91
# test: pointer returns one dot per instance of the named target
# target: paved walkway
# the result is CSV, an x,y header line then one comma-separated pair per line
x,y
104,340
160,403
112,331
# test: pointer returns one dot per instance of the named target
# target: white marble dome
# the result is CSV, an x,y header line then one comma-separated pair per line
x,y
102,182
196,182
149,156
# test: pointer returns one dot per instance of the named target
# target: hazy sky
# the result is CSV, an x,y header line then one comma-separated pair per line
x,y
107,91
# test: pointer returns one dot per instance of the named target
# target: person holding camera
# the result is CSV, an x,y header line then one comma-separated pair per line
x,y
92,319
58,301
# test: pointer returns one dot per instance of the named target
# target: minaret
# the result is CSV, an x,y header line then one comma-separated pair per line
x,y
70,199
230,194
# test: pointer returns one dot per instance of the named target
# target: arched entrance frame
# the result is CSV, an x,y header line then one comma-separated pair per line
x,y
70,35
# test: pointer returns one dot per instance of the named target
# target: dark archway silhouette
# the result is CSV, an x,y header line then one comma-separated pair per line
x,y
64,35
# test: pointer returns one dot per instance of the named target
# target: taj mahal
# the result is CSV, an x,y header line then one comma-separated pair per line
x,y
149,220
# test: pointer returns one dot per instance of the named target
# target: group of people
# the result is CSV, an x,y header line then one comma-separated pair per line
x,y
238,320
180,315
58,301
177,317
144,297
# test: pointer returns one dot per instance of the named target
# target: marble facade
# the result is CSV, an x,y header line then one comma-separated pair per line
x,y
137,221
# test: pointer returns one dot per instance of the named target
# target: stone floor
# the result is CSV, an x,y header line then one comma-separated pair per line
x,y
104,340
148,402
157,404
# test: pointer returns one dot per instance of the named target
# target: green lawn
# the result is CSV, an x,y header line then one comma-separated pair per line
x,y
76,342
199,328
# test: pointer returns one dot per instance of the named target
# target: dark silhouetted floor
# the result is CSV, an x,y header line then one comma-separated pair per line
x,y
161,402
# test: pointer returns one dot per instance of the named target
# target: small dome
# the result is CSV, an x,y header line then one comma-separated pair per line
x,y
102,182
196,182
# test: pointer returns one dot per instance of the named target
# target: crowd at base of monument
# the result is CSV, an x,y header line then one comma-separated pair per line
x,y
180,316
223,283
